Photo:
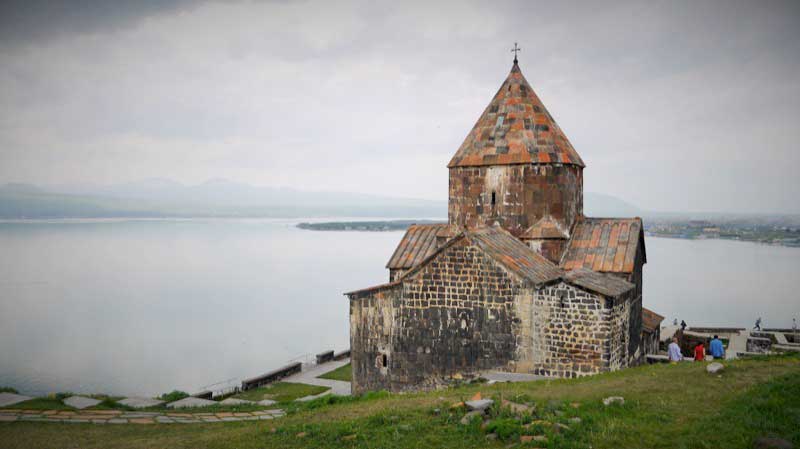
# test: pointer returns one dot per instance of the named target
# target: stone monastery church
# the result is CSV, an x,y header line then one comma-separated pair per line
x,y
518,280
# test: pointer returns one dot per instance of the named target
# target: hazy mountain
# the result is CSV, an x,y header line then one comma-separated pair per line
x,y
601,205
223,198
215,198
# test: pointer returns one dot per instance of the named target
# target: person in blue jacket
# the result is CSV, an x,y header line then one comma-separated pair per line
x,y
716,349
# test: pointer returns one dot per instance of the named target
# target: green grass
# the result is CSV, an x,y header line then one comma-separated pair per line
x,y
40,404
344,373
281,392
666,406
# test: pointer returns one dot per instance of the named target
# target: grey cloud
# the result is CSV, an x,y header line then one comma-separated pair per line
x,y
673,105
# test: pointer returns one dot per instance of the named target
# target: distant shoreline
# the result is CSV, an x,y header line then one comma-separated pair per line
x,y
364,226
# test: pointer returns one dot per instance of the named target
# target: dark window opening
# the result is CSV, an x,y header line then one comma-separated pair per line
x,y
384,360
494,198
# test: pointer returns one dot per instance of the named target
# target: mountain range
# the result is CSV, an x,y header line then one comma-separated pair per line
x,y
161,198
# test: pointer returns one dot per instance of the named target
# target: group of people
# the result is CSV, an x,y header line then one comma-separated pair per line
x,y
715,350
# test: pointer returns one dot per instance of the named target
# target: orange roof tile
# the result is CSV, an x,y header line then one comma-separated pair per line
x,y
651,320
605,245
515,128
418,243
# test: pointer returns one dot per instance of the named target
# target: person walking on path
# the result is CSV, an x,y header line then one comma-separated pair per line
x,y
716,348
699,352
683,325
674,351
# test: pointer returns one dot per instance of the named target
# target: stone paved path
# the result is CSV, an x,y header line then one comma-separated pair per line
x,y
737,344
7,399
120,417
80,402
309,376
136,402
191,402
501,376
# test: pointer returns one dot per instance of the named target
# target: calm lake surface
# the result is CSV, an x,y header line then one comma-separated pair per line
x,y
145,307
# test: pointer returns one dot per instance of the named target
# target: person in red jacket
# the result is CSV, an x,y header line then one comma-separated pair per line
x,y
699,353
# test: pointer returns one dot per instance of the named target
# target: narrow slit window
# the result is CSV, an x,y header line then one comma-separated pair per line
x,y
384,360
494,198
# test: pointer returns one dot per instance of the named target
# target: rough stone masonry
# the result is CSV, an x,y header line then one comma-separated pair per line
x,y
518,280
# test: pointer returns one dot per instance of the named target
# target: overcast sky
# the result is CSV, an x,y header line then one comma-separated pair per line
x,y
673,106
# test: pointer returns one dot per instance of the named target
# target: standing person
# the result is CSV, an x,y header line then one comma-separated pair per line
x,y
716,348
699,352
674,351
683,325
758,324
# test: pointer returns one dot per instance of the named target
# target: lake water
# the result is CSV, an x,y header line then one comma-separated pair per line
x,y
145,307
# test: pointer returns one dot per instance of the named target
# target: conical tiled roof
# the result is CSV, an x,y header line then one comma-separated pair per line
x,y
515,129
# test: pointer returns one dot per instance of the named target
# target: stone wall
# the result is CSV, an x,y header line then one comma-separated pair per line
x,y
566,331
455,317
372,318
552,249
522,194
462,312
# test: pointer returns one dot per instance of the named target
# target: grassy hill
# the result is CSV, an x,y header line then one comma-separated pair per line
x,y
666,406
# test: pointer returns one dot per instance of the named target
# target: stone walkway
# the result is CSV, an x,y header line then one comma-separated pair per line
x,y
501,376
7,399
120,417
309,377
737,344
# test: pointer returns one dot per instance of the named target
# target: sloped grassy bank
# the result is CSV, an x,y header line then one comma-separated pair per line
x,y
666,406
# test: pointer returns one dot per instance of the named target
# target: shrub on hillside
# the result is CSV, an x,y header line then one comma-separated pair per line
x,y
174,395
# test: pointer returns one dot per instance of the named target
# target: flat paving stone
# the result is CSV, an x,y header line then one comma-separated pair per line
x,y
80,402
312,397
235,401
7,399
137,402
191,402
267,402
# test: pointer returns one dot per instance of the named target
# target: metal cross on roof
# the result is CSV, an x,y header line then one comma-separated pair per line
x,y
515,50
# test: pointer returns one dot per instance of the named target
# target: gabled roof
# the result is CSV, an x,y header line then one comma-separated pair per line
x,y
546,228
514,255
605,244
605,284
651,320
515,128
418,243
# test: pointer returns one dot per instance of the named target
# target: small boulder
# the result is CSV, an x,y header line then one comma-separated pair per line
x,y
558,427
491,436
470,415
540,438
301,435
481,404
772,443
715,368
515,407
575,420
613,400
526,438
